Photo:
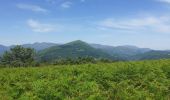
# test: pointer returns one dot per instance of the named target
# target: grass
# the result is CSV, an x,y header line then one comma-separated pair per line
x,y
143,80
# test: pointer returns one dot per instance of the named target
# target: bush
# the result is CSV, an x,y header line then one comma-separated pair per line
x,y
80,60
76,61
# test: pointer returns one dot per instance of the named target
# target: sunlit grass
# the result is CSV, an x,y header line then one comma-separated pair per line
x,y
120,81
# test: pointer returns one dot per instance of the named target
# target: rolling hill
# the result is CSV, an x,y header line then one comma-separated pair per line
x,y
125,52
38,46
72,50
151,55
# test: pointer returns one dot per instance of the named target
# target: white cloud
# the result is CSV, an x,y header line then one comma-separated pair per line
x,y
164,1
151,23
66,4
41,27
34,8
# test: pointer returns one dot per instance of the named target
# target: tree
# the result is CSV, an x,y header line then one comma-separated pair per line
x,y
18,56
0,61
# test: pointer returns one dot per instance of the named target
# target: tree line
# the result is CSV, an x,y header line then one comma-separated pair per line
x,y
26,57
80,60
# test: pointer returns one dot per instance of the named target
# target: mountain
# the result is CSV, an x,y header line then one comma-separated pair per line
x,y
124,52
72,50
37,46
51,51
151,55
3,49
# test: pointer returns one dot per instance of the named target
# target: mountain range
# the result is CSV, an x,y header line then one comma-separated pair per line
x,y
72,50
124,52
78,48
3,49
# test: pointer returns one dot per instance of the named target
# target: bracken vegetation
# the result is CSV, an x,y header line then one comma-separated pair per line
x,y
143,80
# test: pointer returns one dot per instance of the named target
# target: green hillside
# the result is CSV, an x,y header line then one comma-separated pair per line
x,y
145,80
151,55
124,52
72,50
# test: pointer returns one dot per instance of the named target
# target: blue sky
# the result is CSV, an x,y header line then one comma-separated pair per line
x,y
143,23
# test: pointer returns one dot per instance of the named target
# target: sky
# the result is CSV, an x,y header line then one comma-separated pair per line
x,y
142,23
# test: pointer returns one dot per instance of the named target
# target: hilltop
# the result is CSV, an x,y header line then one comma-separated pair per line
x,y
72,50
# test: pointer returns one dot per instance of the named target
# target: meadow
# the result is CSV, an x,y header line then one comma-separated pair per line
x,y
140,80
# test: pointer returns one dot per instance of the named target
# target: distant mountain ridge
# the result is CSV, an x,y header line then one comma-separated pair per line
x,y
72,50
80,48
124,52
3,49
37,46
153,55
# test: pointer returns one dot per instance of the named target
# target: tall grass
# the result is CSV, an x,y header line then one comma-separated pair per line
x,y
143,80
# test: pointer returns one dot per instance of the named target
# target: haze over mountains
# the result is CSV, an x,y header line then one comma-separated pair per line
x,y
52,51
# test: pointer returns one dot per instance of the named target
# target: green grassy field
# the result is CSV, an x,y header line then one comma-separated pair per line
x,y
144,80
